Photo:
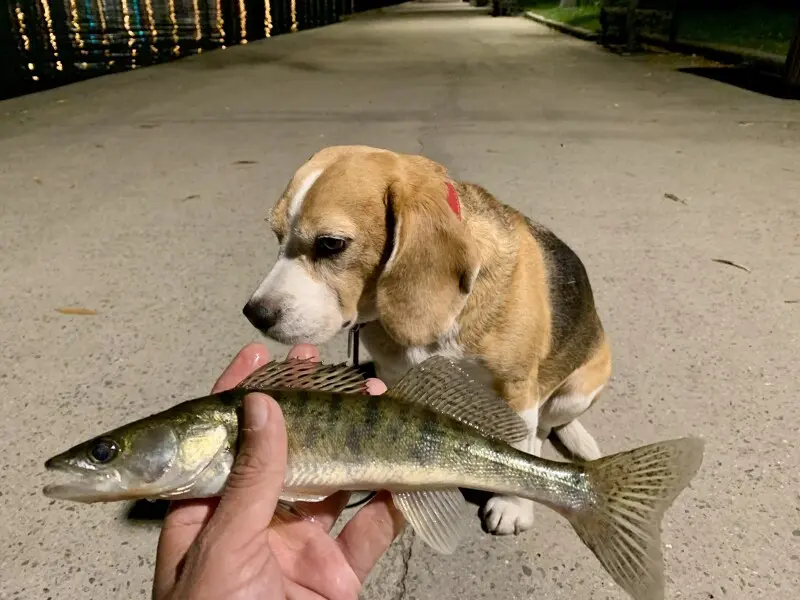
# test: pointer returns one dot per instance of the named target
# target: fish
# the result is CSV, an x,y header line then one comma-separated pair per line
x,y
442,428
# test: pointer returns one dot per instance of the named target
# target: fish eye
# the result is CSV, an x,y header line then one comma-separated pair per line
x,y
103,451
328,246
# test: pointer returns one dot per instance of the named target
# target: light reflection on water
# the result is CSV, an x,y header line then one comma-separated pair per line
x,y
45,43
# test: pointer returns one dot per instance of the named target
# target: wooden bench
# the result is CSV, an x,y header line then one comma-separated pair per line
x,y
506,8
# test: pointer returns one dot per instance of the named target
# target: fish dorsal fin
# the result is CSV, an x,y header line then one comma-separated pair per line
x,y
462,390
295,373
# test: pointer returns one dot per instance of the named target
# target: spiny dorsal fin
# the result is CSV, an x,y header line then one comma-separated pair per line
x,y
461,389
295,374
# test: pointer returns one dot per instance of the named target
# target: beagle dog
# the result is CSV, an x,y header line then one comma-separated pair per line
x,y
425,265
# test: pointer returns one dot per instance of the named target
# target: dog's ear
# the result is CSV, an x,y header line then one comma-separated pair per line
x,y
433,260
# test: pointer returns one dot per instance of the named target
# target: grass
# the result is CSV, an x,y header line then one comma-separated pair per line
x,y
758,27
586,17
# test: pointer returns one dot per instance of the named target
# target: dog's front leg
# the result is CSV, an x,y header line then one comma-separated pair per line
x,y
504,515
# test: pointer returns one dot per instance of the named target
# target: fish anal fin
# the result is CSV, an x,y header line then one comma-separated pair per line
x,y
438,517
461,389
300,374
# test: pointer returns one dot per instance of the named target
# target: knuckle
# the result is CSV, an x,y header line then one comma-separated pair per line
x,y
248,468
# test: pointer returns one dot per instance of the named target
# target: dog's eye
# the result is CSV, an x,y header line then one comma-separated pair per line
x,y
325,246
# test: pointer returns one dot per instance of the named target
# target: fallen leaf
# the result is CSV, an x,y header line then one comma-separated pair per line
x,y
245,162
675,198
731,263
37,180
76,310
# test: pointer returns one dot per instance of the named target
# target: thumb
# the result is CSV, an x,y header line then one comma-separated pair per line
x,y
256,479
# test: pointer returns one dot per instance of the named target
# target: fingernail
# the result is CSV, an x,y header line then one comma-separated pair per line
x,y
256,412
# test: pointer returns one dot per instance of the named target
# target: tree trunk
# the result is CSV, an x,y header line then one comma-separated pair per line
x,y
630,25
791,70
568,3
675,21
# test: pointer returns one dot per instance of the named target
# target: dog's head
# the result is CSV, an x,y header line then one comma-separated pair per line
x,y
365,234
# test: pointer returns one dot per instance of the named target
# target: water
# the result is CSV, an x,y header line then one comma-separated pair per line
x,y
47,43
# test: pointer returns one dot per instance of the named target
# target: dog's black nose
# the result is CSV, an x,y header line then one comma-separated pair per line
x,y
261,315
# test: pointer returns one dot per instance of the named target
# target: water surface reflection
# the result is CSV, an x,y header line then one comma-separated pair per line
x,y
45,43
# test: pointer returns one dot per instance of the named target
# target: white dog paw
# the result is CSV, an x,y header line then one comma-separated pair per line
x,y
505,515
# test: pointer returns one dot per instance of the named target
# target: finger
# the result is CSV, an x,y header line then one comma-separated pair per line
x,y
254,485
185,519
295,591
375,386
247,360
182,524
305,352
368,535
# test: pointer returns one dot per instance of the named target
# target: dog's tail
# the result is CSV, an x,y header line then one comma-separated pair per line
x,y
577,440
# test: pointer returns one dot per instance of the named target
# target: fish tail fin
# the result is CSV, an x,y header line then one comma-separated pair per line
x,y
631,491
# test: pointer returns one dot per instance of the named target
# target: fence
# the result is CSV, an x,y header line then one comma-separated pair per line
x,y
46,43
766,30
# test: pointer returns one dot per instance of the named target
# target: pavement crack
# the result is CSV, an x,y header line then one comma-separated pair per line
x,y
401,588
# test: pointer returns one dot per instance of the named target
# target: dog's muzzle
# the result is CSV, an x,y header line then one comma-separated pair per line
x,y
261,315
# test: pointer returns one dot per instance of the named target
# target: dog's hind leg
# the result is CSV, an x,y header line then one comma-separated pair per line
x,y
575,438
560,412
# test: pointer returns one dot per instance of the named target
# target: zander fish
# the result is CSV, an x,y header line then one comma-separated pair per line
x,y
439,429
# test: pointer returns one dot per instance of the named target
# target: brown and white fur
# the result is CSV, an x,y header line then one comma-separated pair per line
x,y
421,281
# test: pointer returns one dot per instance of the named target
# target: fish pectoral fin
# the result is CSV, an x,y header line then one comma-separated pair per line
x,y
439,517
294,495
287,512
306,375
287,509
463,390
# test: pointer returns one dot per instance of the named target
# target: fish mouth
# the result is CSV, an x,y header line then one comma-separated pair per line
x,y
82,486
76,492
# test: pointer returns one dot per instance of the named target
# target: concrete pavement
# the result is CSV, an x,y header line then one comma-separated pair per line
x,y
141,195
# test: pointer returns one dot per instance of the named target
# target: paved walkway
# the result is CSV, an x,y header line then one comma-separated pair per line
x,y
141,195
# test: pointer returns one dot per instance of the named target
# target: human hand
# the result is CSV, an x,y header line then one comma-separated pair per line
x,y
228,548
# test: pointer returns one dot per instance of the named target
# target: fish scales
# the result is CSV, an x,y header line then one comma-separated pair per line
x,y
352,432
439,429
348,452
